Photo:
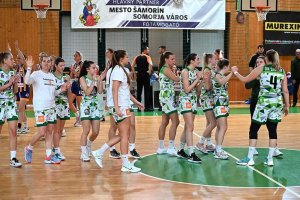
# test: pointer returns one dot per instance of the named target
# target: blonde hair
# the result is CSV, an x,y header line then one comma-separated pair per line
x,y
273,57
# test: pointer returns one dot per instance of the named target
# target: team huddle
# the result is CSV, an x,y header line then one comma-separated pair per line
x,y
54,94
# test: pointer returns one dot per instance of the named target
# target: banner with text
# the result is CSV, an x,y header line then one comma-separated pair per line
x,y
160,14
282,32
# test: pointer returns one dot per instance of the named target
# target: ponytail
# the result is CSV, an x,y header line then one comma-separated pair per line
x,y
189,58
164,56
273,57
117,55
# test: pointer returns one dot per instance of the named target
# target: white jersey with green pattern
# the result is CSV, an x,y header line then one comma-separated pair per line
x,y
192,75
270,82
207,94
62,98
166,86
220,93
4,79
93,96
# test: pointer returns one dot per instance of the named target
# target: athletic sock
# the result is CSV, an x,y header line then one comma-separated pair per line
x,y
125,161
161,144
48,152
251,152
218,148
57,150
25,125
271,152
202,140
89,143
181,145
171,143
208,141
83,150
103,149
13,154
191,150
131,146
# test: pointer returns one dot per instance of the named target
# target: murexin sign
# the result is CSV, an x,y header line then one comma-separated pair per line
x,y
159,14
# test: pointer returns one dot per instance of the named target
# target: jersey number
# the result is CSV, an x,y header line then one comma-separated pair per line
x,y
273,81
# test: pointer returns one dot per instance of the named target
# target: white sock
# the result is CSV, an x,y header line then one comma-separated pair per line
x,y
48,152
112,148
218,148
77,114
181,145
83,150
208,141
251,152
161,144
271,152
125,160
13,154
171,143
103,149
131,146
25,125
191,150
30,147
202,140
57,150
89,143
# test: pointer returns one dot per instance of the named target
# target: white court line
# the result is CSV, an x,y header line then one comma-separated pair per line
x,y
269,178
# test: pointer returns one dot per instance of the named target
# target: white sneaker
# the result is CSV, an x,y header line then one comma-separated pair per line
x,y
245,162
84,157
64,133
15,163
269,162
201,147
172,151
161,151
277,152
221,155
130,168
89,150
19,130
98,158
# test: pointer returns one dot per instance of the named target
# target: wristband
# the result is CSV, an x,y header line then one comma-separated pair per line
x,y
235,73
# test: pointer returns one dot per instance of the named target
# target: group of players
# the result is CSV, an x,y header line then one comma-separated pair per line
x,y
54,93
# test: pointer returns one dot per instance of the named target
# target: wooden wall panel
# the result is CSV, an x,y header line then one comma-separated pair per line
x,y
243,40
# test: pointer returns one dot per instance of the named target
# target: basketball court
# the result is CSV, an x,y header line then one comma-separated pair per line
x,y
162,176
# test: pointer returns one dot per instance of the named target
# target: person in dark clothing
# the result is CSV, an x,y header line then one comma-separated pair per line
x,y
290,86
260,52
295,70
144,69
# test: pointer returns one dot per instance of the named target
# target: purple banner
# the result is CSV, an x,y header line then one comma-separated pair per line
x,y
160,24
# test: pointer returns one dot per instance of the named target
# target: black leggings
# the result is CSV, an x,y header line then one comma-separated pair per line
x,y
272,128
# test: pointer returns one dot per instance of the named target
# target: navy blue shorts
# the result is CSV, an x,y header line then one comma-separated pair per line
x,y
75,88
23,94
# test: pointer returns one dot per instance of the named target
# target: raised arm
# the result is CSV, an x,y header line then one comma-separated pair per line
x,y
29,79
253,75
223,80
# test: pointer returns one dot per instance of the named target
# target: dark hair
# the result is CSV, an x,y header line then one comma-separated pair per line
x,y
189,58
162,47
218,51
164,56
110,50
83,71
222,63
56,62
206,57
144,48
260,46
116,61
261,57
3,56
42,55
273,57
